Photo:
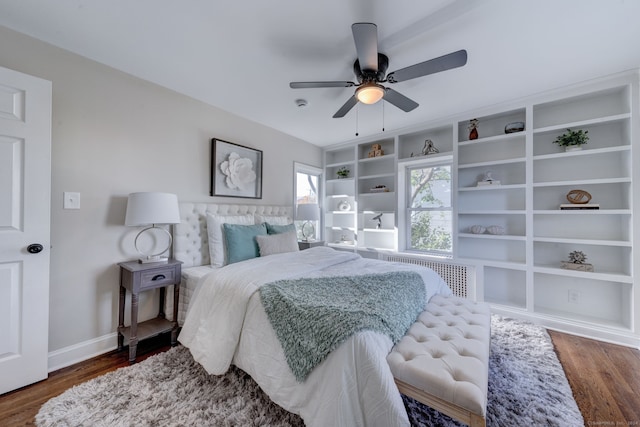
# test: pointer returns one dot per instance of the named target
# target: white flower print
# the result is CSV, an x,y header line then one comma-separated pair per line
x,y
239,172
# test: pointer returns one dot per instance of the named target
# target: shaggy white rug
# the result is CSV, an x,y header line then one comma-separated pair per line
x,y
527,387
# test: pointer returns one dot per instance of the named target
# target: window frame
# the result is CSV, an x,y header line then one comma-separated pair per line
x,y
404,210
319,174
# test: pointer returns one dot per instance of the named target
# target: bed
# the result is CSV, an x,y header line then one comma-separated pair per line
x,y
225,322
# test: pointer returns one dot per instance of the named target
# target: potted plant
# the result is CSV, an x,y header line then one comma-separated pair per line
x,y
343,172
572,140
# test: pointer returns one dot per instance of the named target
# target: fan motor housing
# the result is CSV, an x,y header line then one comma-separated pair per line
x,y
368,75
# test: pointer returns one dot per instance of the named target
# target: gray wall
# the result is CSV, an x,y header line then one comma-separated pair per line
x,y
114,134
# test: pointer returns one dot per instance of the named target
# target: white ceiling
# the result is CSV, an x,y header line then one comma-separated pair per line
x,y
241,55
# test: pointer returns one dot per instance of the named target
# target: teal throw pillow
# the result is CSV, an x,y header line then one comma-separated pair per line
x,y
279,229
240,241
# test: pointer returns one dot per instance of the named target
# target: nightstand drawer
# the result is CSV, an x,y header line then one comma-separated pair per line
x,y
158,277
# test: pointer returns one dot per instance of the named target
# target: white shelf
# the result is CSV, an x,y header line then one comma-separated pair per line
x,y
342,228
487,139
583,212
583,123
584,152
380,193
494,187
340,164
492,163
493,212
380,175
583,182
619,243
334,180
593,275
492,236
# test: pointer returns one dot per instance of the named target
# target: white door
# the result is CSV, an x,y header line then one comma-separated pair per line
x,y
25,199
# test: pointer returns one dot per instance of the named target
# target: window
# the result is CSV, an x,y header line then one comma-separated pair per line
x,y
307,191
428,208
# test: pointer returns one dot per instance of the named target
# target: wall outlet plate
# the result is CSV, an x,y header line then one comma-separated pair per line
x,y
71,200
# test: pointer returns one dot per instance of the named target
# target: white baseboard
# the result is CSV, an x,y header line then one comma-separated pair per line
x,y
80,352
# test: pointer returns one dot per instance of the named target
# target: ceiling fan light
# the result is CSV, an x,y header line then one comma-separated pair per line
x,y
370,93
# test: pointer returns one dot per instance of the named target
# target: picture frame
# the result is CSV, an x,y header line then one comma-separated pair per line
x,y
236,170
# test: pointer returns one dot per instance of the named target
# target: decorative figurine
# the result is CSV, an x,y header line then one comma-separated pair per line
x,y
429,148
577,262
578,197
473,129
379,219
488,179
376,151
577,257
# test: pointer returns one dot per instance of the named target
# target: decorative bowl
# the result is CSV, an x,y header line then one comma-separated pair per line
x,y
344,205
495,229
477,229
514,127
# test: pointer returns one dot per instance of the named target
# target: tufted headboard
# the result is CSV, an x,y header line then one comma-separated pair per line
x,y
190,243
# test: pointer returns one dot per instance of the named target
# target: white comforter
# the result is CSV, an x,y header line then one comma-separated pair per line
x,y
226,323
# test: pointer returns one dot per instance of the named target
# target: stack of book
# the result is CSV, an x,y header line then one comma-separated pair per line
x,y
579,206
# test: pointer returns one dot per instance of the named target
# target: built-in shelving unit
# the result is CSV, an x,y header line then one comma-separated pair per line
x,y
340,206
517,182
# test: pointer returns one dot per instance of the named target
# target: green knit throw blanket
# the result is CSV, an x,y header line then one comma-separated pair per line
x,y
312,317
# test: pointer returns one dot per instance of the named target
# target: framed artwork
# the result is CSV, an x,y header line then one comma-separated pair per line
x,y
236,171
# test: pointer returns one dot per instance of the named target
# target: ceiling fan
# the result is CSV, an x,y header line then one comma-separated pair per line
x,y
370,69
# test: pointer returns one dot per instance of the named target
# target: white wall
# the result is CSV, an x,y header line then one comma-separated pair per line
x,y
114,134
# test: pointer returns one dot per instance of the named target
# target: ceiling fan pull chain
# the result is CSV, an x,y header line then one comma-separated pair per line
x,y
383,117
357,110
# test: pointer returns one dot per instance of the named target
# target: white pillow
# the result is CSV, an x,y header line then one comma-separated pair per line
x,y
277,243
215,234
274,219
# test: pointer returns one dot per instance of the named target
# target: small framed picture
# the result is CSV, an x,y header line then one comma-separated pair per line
x,y
236,171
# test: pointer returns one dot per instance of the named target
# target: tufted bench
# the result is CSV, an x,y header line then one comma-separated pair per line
x,y
443,360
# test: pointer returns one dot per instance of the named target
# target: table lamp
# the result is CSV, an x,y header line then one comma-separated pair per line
x,y
308,212
152,209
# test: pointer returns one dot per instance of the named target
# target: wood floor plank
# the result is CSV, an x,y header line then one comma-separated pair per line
x,y
599,375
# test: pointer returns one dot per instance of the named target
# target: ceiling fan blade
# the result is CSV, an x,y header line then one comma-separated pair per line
x,y
399,100
432,66
365,36
305,85
346,107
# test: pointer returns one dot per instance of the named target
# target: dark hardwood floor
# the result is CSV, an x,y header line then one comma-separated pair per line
x,y
605,379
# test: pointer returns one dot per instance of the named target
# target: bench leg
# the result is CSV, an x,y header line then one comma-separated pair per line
x,y
454,411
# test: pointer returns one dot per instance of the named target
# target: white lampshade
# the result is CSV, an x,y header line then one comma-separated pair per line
x,y
152,208
370,93
149,209
308,212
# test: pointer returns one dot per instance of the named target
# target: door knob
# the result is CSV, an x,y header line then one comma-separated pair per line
x,y
34,248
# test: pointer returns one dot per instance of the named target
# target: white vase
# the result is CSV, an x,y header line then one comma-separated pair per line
x,y
570,148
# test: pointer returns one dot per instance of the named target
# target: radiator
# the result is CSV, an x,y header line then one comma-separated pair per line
x,y
457,276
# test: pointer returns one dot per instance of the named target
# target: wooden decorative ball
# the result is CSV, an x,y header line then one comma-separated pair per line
x,y
578,197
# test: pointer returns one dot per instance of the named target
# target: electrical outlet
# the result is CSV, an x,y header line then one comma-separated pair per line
x,y
574,296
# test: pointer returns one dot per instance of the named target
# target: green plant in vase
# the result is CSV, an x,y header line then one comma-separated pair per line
x,y
343,172
572,139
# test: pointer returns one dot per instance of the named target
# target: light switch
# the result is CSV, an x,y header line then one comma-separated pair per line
x,y
71,200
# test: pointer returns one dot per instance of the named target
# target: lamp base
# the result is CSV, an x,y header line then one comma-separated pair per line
x,y
152,259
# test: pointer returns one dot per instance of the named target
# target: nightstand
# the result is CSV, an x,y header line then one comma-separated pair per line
x,y
137,277
307,245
